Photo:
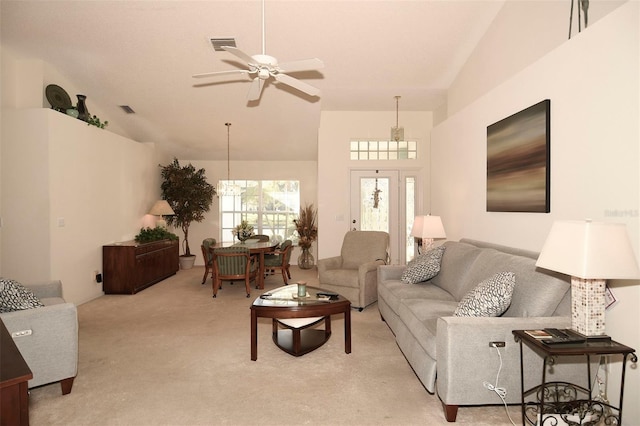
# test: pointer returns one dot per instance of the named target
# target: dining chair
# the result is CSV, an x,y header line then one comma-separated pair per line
x,y
280,260
233,263
262,238
207,243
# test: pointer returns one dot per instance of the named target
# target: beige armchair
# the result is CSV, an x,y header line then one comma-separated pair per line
x,y
353,274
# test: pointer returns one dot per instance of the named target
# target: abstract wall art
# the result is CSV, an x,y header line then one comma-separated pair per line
x,y
518,161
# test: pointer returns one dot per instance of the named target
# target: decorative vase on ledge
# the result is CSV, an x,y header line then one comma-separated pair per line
x,y
83,113
306,260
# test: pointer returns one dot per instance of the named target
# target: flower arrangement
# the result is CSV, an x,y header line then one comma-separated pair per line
x,y
306,226
243,231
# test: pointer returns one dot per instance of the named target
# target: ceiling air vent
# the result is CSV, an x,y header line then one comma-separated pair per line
x,y
219,42
127,109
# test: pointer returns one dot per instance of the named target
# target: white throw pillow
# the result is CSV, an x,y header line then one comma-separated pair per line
x,y
490,298
424,267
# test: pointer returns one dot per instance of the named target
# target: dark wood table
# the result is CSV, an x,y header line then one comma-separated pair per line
x,y
14,377
281,304
574,407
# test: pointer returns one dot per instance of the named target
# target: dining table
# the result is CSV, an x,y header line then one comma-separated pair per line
x,y
257,248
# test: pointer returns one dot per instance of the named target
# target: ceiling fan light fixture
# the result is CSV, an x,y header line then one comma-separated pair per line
x,y
266,66
397,132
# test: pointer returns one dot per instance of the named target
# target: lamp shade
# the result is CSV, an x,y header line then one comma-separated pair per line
x,y
161,208
428,227
590,250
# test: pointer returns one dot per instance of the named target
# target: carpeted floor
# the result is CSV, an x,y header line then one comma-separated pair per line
x,y
173,355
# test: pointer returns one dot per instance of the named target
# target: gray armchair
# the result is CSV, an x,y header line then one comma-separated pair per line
x,y
353,274
47,337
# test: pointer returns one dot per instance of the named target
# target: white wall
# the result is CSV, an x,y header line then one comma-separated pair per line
x,y
57,169
593,84
521,33
304,171
337,128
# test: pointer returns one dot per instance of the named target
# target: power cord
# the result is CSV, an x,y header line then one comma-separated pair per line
x,y
501,392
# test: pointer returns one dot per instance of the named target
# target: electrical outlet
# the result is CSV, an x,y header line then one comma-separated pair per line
x,y
496,344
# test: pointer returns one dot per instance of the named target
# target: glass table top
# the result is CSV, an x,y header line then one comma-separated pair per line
x,y
288,296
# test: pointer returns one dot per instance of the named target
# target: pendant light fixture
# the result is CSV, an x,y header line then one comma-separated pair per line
x,y
226,187
397,133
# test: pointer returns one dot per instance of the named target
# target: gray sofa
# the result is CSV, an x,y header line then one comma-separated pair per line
x,y
49,340
451,354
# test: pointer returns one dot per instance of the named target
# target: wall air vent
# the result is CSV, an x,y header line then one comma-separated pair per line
x,y
219,42
127,109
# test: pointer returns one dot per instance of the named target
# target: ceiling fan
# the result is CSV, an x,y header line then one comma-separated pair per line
x,y
263,67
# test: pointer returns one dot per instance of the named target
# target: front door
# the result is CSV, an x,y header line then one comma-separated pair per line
x,y
374,205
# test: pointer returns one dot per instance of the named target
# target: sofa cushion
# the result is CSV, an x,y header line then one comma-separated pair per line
x,y
395,291
457,261
490,298
420,316
15,297
537,292
423,267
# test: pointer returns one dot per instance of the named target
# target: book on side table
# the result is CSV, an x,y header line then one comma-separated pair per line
x,y
553,336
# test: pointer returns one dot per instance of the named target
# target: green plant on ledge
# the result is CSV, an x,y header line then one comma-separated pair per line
x,y
95,121
148,235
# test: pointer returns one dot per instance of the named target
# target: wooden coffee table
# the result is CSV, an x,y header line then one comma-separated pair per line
x,y
283,303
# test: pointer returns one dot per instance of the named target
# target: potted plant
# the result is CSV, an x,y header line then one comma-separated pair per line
x,y
243,231
308,232
190,196
148,235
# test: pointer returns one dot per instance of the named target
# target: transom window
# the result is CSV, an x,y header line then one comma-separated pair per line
x,y
383,150
269,205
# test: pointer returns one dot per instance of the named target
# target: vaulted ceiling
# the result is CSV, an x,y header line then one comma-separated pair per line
x,y
144,53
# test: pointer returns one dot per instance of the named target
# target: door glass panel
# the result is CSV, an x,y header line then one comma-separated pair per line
x,y
374,201
410,191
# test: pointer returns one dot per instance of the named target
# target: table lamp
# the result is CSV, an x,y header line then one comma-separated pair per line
x,y
591,252
161,208
428,228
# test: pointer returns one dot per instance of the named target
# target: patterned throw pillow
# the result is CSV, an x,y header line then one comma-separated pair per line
x,y
423,267
490,298
15,297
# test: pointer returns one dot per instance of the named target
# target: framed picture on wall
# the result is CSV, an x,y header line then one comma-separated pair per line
x,y
518,161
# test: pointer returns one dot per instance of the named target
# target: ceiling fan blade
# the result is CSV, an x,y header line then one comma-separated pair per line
x,y
256,89
297,84
302,65
240,54
211,74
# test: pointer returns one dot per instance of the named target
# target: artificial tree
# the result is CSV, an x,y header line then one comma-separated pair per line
x,y
189,195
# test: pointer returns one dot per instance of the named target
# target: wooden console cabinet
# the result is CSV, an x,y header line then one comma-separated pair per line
x,y
129,267
14,380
